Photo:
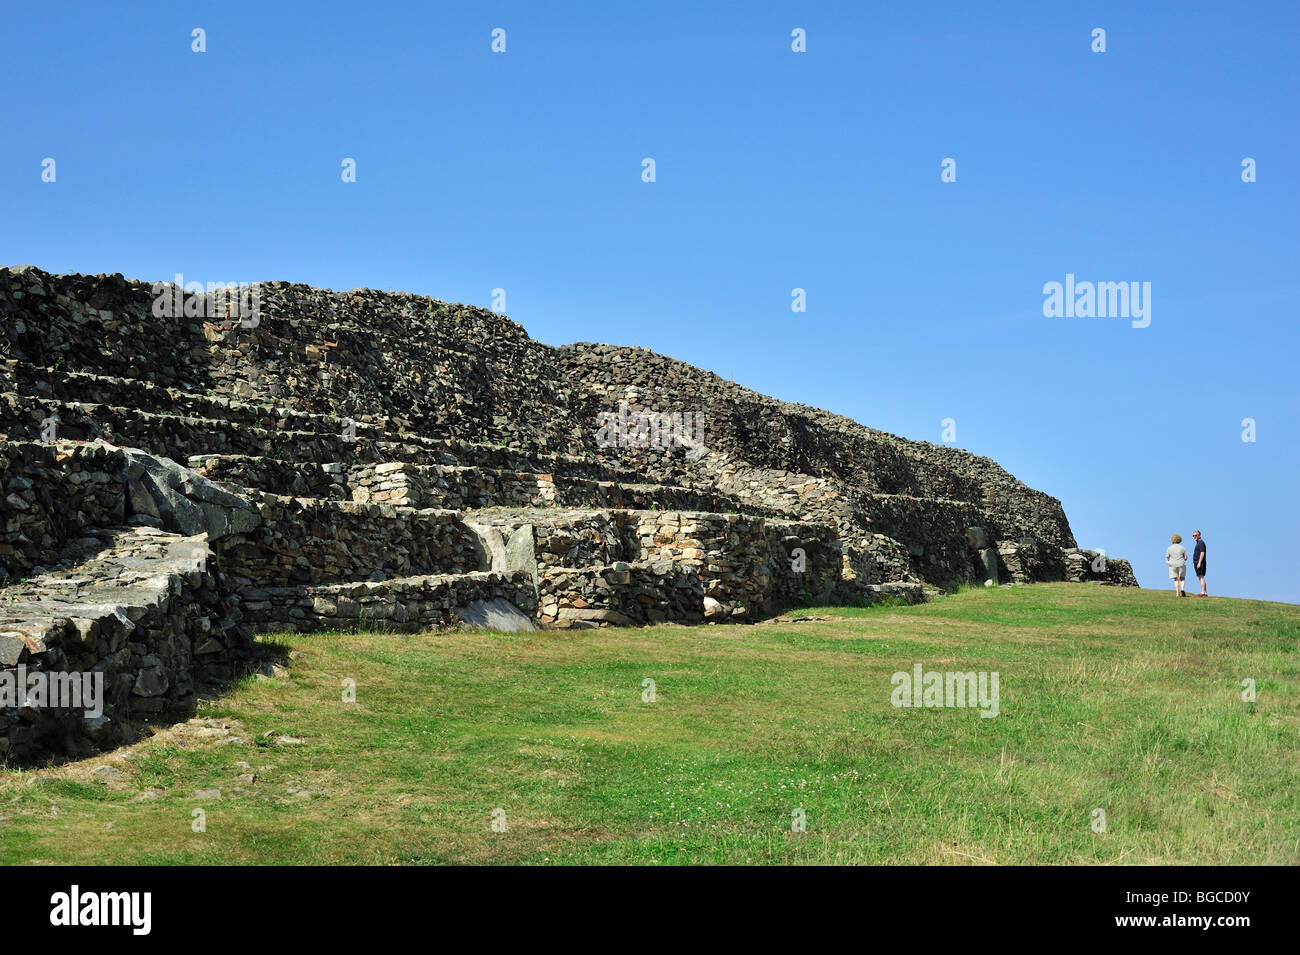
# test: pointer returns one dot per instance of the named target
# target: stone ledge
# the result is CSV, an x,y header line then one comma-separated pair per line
x,y
406,604
144,609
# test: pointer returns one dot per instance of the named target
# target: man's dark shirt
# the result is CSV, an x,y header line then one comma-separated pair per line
x,y
1197,554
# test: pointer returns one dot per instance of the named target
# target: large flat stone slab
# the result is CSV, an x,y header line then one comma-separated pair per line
x,y
498,614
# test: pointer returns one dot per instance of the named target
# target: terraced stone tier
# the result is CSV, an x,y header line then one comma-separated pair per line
x,y
180,437
452,487
774,449
304,540
140,610
620,595
27,380
746,565
275,476
466,488
256,446
52,494
357,354
407,604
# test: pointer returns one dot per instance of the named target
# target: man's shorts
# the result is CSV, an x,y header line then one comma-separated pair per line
x,y
1200,571
1178,573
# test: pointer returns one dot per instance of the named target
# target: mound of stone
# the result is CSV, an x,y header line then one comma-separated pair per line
x,y
387,461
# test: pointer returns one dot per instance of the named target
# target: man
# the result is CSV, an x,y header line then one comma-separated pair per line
x,y
1176,558
1198,561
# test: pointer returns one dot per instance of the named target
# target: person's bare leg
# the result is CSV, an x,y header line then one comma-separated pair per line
x,y
1203,593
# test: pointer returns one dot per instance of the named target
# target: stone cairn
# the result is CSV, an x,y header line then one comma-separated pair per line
x,y
175,479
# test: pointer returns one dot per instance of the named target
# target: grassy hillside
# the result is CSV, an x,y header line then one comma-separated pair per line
x,y
1122,700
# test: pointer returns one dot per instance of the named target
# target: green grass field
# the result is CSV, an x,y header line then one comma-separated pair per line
x,y
1122,700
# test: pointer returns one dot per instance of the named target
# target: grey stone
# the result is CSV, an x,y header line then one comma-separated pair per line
x,y
989,563
598,615
184,500
498,614
521,552
491,545
150,682
12,650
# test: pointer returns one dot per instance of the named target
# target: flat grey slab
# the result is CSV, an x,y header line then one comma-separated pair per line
x,y
496,614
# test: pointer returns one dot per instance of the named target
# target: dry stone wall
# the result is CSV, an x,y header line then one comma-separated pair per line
x,y
137,615
805,567
53,494
796,454
408,604
460,488
621,594
304,540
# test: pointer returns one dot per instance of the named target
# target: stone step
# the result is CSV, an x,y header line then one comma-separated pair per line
x,y
324,439
52,494
405,604
318,450
462,370
478,488
456,487
622,594
143,610
180,438
301,541
746,564
57,491
276,475
32,381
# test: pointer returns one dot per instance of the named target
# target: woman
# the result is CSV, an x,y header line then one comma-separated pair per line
x,y
1176,558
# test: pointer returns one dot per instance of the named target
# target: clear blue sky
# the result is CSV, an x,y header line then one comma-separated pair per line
x,y
775,170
